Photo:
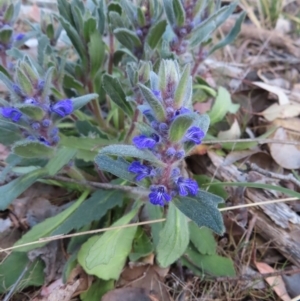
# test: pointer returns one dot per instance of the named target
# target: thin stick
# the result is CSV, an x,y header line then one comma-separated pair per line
x,y
258,140
56,237
290,177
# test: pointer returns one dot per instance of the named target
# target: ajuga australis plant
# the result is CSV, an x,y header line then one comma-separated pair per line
x,y
105,109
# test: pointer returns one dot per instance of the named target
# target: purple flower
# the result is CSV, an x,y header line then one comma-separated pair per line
x,y
180,154
143,141
181,111
46,123
53,132
36,126
17,89
171,151
19,36
63,107
186,186
11,113
157,93
141,170
41,85
159,195
194,134
30,100
44,140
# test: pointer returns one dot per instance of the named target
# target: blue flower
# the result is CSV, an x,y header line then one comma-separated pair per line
x,y
11,113
19,36
194,134
143,141
157,93
171,151
63,107
186,186
180,154
46,123
181,111
159,195
141,170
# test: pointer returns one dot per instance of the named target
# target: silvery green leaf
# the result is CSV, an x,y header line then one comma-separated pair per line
x,y
235,30
127,38
32,111
117,167
43,42
81,101
5,34
153,102
183,91
115,91
203,210
30,71
180,125
174,237
96,49
140,17
154,81
115,20
47,82
202,32
24,82
202,121
168,5
130,10
132,73
130,151
9,85
155,33
9,13
179,12
32,149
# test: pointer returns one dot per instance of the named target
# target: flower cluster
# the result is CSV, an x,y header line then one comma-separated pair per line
x,y
166,181
33,108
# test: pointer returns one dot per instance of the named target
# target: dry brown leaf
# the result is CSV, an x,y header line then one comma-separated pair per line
x,y
279,92
233,133
276,282
281,111
285,155
146,277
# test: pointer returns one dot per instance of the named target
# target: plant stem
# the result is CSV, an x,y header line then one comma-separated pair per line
x,y
132,126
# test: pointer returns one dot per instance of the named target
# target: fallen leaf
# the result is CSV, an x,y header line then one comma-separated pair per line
x,y
285,155
233,133
292,284
282,97
235,156
281,111
128,294
276,282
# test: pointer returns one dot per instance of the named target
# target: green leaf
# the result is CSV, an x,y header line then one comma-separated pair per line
x,y
81,101
235,30
9,13
174,238
203,239
155,33
32,149
127,38
179,12
10,132
217,190
155,212
105,255
34,112
85,143
141,246
180,125
153,102
203,210
24,82
90,28
202,32
96,52
168,6
117,167
258,185
212,264
46,227
93,209
12,267
129,151
222,105
5,34
97,290
61,158
183,93
14,188
115,91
